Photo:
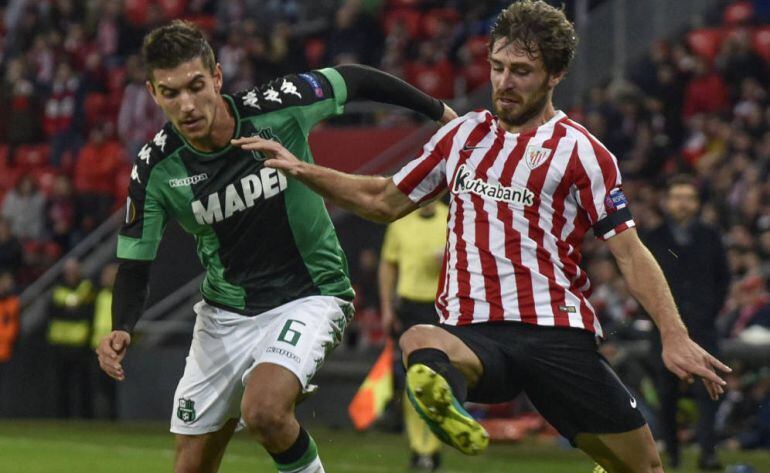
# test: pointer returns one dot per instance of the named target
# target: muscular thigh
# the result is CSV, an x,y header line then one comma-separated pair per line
x,y
572,385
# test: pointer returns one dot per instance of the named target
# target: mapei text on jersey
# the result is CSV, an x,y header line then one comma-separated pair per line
x,y
221,205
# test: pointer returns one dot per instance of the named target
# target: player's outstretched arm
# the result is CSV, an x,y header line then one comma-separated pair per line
x,y
367,83
682,356
129,295
372,197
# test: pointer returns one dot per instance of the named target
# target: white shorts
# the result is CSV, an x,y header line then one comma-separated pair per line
x,y
226,346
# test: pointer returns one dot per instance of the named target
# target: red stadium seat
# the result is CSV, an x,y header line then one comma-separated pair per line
x,y
207,23
431,21
32,156
173,8
409,18
476,74
135,11
315,48
8,178
738,13
705,42
761,40
477,47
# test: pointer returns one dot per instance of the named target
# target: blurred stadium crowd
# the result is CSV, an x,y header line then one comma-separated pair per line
x,y
75,112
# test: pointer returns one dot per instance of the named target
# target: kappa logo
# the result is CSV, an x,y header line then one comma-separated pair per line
x,y
285,353
186,410
135,174
288,87
188,181
534,156
517,196
160,141
272,95
251,99
145,153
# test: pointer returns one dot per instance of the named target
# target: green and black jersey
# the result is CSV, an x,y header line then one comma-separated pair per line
x,y
263,239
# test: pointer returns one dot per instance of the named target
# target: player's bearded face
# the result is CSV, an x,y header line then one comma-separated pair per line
x,y
188,95
520,84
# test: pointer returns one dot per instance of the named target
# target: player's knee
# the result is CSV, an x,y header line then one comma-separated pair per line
x,y
265,418
419,336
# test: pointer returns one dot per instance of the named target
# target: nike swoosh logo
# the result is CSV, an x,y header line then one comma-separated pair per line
x,y
471,148
633,403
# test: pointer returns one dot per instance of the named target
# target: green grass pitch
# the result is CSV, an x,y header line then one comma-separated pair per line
x,y
44,446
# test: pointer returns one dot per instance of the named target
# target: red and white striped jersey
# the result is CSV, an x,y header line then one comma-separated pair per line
x,y
520,205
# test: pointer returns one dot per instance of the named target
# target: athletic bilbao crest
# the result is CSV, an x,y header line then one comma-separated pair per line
x,y
186,410
534,155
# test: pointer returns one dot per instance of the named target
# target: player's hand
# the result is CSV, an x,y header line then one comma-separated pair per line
x,y
111,351
448,115
390,323
686,359
278,157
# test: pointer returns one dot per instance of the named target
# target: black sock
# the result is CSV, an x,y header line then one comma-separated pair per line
x,y
439,362
297,450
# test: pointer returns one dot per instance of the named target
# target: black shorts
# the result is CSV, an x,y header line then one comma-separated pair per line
x,y
561,371
411,313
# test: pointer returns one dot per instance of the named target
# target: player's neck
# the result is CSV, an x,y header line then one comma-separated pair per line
x,y
539,119
222,129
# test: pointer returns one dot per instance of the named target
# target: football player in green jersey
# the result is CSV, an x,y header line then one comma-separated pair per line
x,y
276,296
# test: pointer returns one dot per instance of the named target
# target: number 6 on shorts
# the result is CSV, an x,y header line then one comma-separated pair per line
x,y
288,335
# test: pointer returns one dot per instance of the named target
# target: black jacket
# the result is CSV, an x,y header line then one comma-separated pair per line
x,y
697,273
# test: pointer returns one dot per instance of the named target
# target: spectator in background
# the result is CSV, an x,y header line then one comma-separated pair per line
x,y
9,331
21,106
59,111
738,61
431,72
98,162
409,271
23,207
138,119
347,39
11,252
61,214
70,315
705,93
694,262
752,308
104,386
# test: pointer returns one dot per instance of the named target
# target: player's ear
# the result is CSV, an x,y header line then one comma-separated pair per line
x,y
151,89
218,78
554,79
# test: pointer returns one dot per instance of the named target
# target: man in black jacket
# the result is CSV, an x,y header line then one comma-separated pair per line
x,y
693,259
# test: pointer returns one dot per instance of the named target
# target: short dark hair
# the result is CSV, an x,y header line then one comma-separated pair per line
x,y
170,45
538,28
681,180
